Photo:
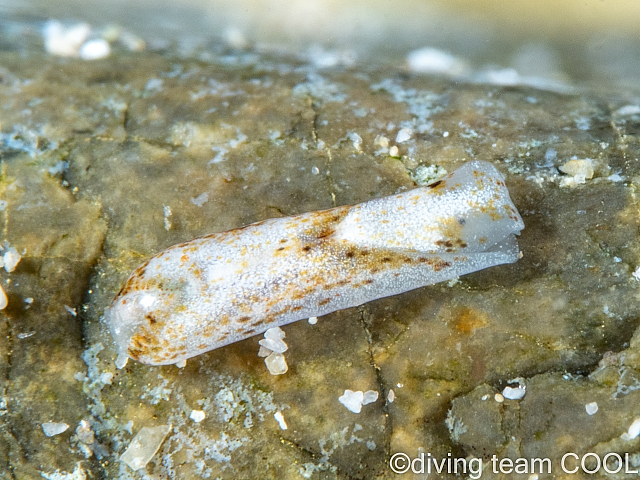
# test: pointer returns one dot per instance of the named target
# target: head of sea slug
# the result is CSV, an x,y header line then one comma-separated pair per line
x,y
138,315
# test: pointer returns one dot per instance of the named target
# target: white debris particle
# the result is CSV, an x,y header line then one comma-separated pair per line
x,y
51,429
549,156
381,141
432,60
393,151
579,169
274,135
106,377
391,396
275,333
276,345
628,110
514,393
11,259
352,400
404,135
445,134
200,199
84,433
220,156
264,352
313,320
591,408
181,363
615,178
498,398
154,84
64,42
370,396
25,334
197,415
276,364
234,38
95,49
121,361
77,474
167,213
280,419
356,140
144,446
273,340
72,311
129,427
320,145
617,259
634,429
28,300
315,170
635,275
4,301
485,397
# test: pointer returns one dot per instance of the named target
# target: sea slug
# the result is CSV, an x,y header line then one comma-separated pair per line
x,y
227,286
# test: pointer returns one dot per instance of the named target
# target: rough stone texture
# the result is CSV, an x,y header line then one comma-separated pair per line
x,y
144,134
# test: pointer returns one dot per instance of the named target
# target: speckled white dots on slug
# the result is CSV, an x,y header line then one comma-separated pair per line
x,y
225,287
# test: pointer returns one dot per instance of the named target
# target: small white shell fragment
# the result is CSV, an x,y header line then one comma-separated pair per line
x,y
404,135
121,361
591,408
393,151
635,274
581,168
498,398
72,311
84,432
95,49
106,377
64,42
197,415
24,335
516,393
52,429
276,364
293,268
280,419
274,345
4,301
144,446
485,397
11,259
182,363
352,400
381,141
275,333
391,396
634,429
432,60
313,320
369,396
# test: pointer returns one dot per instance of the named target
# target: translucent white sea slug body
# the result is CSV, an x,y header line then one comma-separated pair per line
x,y
225,287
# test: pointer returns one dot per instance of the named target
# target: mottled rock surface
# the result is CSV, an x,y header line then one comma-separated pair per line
x,y
105,164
